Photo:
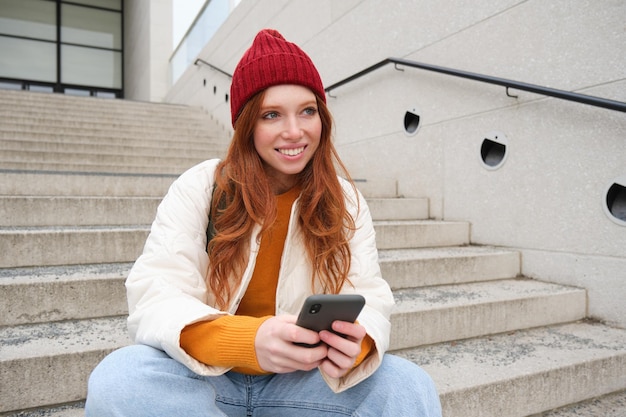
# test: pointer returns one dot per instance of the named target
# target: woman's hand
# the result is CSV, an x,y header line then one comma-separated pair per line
x,y
276,351
342,352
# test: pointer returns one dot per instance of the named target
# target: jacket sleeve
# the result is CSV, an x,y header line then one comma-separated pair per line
x,y
166,287
366,280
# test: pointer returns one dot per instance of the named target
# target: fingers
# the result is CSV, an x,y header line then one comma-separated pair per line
x,y
276,351
349,339
342,351
351,330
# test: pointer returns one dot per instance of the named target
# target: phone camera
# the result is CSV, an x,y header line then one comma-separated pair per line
x,y
315,308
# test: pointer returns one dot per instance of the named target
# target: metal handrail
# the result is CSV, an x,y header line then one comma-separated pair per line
x,y
202,61
565,95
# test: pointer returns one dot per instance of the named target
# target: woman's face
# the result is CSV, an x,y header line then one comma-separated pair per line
x,y
287,133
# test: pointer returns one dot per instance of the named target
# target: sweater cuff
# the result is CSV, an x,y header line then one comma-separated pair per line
x,y
367,346
227,341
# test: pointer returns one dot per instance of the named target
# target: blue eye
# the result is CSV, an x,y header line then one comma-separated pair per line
x,y
270,115
310,111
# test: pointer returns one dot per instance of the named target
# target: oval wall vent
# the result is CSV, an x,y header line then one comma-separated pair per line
x,y
615,201
412,120
493,150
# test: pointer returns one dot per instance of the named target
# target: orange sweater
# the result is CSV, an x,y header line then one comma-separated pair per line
x,y
229,341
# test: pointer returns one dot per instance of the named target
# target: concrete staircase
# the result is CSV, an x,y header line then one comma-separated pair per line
x,y
62,133
496,343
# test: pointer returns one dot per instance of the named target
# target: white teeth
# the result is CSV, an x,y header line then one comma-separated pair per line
x,y
291,152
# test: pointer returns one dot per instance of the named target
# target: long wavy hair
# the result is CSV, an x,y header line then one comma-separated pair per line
x,y
243,197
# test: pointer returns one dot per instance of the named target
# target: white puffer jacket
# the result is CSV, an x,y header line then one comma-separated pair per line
x,y
167,291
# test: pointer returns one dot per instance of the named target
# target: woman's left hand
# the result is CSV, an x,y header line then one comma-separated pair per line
x,y
342,351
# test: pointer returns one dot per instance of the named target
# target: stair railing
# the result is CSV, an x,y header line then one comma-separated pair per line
x,y
546,91
213,67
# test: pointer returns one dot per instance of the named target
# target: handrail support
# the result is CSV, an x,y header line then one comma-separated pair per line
x,y
509,94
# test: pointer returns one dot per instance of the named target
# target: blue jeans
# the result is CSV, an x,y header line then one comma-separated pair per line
x,y
140,381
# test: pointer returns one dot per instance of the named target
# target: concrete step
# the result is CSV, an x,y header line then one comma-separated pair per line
x,y
153,137
114,159
379,187
82,343
398,208
43,246
54,293
59,103
102,184
75,409
610,405
76,211
42,104
40,246
46,294
403,234
121,111
34,357
444,313
27,122
86,128
151,168
122,147
526,372
91,210
409,268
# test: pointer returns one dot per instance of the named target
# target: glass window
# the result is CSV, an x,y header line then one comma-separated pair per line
x,y
28,18
7,85
203,29
77,92
106,4
40,88
93,27
105,94
92,67
27,59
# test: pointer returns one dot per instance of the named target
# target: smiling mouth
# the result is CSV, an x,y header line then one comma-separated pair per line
x,y
291,152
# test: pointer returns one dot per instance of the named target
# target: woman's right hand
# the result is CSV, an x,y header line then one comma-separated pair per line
x,y
276,351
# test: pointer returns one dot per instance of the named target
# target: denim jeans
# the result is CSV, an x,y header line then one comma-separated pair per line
x,y
140,381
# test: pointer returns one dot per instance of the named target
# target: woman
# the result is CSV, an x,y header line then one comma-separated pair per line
x,y
214,318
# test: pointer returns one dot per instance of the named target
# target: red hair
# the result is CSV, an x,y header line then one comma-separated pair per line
x,y
243,198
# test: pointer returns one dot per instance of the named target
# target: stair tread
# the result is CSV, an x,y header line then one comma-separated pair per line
x,y
612,405
390,255
63,273
485,361
457,295
546,353
70,410
417,221
20,229
84,144
62,338
71,229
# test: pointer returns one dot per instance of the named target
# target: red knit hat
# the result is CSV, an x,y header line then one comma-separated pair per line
x,y
271,60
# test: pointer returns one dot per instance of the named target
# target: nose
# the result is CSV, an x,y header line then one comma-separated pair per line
x,y
292,130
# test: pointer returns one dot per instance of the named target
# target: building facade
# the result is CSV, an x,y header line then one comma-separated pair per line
x,y
71,47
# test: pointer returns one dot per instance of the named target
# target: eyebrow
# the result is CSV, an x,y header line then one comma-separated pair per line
x,y
271,105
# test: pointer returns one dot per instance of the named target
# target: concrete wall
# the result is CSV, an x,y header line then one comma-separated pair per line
x,y
547,198
147,49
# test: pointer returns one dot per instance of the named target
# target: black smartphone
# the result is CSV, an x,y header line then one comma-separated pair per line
x,y
321,310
